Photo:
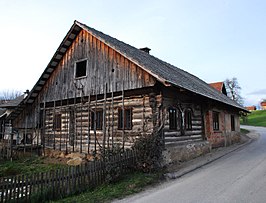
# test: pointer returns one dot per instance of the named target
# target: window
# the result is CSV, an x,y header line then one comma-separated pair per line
x,y
172,118
125,119
57,122
188,120
81,69
215,117
232,122
97,119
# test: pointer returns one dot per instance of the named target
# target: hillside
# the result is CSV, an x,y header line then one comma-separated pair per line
x,y
255,118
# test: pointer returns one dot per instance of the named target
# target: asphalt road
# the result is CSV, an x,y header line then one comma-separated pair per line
x,y
237,177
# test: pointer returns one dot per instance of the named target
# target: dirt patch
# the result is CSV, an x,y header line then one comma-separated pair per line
x,y
52,160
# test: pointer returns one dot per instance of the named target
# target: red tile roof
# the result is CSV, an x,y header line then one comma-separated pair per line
x,y
263,103
217,85
251,108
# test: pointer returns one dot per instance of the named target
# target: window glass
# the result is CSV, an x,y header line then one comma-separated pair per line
x,y
232,122
57,121
172,118
215,120
125,119
188,120
97,119
81,69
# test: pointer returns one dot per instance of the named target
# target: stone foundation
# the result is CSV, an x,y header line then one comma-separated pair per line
x,y
185,152
223,141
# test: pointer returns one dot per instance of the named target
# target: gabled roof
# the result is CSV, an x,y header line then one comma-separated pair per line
x,y
217,85
220,86
251,108
263,103
12,103
162,71
2,112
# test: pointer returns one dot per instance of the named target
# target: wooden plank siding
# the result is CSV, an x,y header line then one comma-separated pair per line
x,y
105,67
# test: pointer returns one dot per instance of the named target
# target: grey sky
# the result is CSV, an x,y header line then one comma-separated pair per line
x,y
212,39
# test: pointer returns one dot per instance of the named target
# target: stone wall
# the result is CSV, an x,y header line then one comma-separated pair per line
x,y
185,152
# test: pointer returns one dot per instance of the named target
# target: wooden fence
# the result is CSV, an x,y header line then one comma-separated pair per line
x,y
63,182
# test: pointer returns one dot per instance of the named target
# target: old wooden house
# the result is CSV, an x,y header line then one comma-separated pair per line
x,y
98,91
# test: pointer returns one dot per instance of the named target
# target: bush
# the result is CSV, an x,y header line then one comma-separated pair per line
x,y
149,152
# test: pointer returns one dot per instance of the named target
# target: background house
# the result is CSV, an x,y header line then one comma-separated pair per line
x,y
251,108
263,105
6,108
98,93
220,86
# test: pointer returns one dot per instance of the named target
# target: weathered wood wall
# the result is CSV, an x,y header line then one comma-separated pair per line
x,y
76,135
106,67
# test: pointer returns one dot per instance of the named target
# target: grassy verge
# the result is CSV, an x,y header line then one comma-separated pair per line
x,y
26,166
129,184
244,131
255,118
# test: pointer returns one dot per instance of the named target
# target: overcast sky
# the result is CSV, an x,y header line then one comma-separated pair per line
x,y
212,39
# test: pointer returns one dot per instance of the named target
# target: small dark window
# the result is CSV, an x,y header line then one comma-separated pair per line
x,y
172,118
125,119
81,69
232,122
57,122
97,120
188,120
215,118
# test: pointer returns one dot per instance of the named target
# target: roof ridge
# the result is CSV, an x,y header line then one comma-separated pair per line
x,y
162,70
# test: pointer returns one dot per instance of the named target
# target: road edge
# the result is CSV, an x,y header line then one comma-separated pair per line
x,y
210,157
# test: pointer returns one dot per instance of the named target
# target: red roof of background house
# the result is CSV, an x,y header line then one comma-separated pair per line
x,y
263,103
251,108
217,85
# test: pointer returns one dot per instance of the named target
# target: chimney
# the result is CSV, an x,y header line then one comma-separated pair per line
x,y
26,93
145,49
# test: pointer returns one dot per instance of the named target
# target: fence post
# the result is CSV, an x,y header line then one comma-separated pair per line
x,y
2,189
62,182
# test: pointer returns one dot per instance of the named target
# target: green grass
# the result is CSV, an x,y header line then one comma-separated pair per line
x,y
26,166
255,118
244,131
129,184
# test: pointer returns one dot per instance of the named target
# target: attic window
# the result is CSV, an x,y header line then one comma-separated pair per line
x,y
81,69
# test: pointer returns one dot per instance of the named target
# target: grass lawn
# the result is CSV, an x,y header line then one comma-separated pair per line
x,y
26,166
244,131
129,184
255,118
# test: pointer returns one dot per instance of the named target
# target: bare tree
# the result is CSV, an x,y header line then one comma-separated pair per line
x,y
233,89
7,95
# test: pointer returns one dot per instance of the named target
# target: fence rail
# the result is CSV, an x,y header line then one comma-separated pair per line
x,y
59,183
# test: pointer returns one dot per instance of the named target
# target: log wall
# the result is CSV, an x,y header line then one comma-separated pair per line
x,y
77,135
181,135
